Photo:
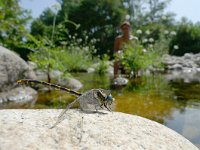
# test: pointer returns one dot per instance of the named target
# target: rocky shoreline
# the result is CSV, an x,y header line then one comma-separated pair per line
x,y
185,68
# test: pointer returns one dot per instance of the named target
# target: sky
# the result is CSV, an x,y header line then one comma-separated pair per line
x,y
182,8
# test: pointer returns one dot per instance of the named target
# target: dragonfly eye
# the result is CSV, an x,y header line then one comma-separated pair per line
x,y
109,98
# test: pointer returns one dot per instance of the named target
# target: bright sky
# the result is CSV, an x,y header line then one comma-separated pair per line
x,y
186,8
182,8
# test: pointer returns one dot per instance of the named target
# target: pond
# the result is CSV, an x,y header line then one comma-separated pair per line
x,y
175,104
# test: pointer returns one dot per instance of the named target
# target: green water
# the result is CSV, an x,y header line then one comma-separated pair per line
x,y
174,104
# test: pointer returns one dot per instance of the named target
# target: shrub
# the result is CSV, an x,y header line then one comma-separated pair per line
x,y
135,57
103,65
187,40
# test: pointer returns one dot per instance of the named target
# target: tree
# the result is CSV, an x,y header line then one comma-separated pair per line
x,y
13,20
186,40
43,25
143,12
99,19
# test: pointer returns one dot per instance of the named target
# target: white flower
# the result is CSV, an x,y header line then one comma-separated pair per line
x,y
144,50
119,52
95,51
173,33
164,17
144,40
93,40
147,32
79,40
139,31
150,45
56,6
166,32
176,47
151,40
86,48
127,17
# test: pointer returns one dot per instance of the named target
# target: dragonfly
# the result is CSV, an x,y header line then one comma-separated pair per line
x,y
89,100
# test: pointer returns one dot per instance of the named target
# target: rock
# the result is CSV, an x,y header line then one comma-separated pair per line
x,y
120,81
18,97
185,67
54,74
71,83
29,129
187,76
12,68
90,70
68,82
176,67
188,56
188,60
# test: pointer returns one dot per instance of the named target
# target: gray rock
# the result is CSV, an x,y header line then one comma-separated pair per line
x,y
187,76
18,97
56,75
29,129
185,67
188,56
71,83
12,68
90,70
41,75
120,81
176,67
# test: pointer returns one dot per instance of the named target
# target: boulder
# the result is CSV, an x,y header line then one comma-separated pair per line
x,y
12,68
70,83
18,97
186,68
180,63
57,78
30,129
41,75
120,81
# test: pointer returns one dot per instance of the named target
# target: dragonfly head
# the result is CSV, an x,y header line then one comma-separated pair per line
x,y
110,99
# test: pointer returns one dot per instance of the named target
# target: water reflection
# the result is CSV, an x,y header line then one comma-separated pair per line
x,y
175,104
149,97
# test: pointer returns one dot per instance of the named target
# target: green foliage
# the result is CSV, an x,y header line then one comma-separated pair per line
x,y
187,40
73,56
13,20
104,16
76,55
135,57
44,55
103,65
43,25
99,19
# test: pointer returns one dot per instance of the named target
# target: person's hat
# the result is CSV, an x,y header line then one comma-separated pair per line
x,y
125,23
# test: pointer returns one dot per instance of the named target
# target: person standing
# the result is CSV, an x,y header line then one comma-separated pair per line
x,y
119,43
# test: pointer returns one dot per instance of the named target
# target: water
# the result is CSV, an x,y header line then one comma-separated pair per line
x,y
175,104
